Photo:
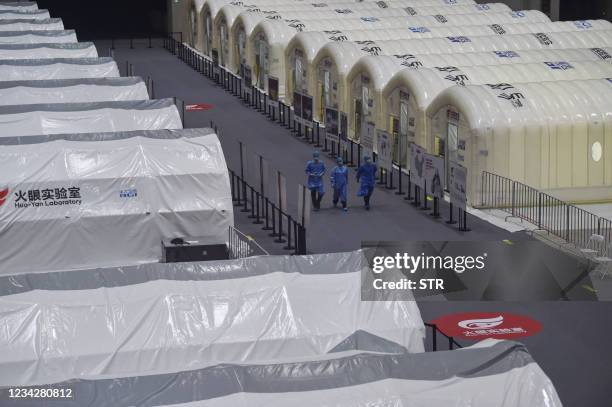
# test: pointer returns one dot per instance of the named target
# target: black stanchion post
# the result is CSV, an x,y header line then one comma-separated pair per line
x,y
273,234
425,207
258,220
301,246
399,179
408,196
267,213
436,208
289,228
451,221
252,215
280,239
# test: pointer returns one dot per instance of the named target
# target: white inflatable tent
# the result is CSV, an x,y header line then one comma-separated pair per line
x,y
58,118
38,37
31,25
72,90
489,373
48,50
226,16
19,5
185,316
336,59
24,14
302,49
554,136
57,68
400,97
98,200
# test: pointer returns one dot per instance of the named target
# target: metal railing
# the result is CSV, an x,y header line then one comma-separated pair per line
x,y
547,213
241,245
435,331
265,212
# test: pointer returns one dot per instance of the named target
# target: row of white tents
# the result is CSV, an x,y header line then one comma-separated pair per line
x,y
93,174
393,66
92,171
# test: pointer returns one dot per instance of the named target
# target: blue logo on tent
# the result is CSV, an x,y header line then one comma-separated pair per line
x,y
506,54
128,193
419,29
482,7
517,14
583,24
369,19
559,65
459,39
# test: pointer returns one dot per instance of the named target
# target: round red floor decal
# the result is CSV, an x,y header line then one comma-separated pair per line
x,y
482,325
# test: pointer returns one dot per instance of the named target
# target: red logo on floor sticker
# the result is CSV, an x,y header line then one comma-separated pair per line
x,y
483,325
200,106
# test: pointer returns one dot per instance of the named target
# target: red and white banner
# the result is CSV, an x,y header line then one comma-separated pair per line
x,y
199,106
483,325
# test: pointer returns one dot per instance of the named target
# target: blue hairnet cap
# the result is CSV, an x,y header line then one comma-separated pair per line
x,y
339,160
366,157
316,154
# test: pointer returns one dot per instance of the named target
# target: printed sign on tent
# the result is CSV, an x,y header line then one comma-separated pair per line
x,y
482,325
307,109
417,165
384,157
273,88
367,138
304,203
297,106
331,124
434,175
457,187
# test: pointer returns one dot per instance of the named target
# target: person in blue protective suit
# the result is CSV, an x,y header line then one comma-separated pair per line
x,y
315,169
366,176
339,182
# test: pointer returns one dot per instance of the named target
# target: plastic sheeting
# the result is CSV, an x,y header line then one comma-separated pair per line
x,y
57,68
100,202
29,25
46,50
19,5
285,307
24,14
72,90
57,118
37,37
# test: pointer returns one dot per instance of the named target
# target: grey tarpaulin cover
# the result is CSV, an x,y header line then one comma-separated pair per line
x,y
78,202
23,24
57,68
72,90
15,14
48,50
92,117
166,318
37,37
18,5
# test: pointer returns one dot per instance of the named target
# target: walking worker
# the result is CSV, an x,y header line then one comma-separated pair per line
x,y
315,169
366,176
339,182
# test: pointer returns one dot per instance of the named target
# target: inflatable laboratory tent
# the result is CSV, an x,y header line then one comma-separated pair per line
x,y
57,118
385,83
301,51
46,50
24,14
553,136
226,16
186,316
72,90
19,5
57,68
31,25
489,373
37,37
91,200
335,59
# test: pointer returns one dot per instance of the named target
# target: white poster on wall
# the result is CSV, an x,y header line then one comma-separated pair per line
x,y
417,165
384,157
458,185
367,138
434,175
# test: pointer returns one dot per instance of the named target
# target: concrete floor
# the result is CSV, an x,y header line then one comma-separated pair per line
x,y
574,348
